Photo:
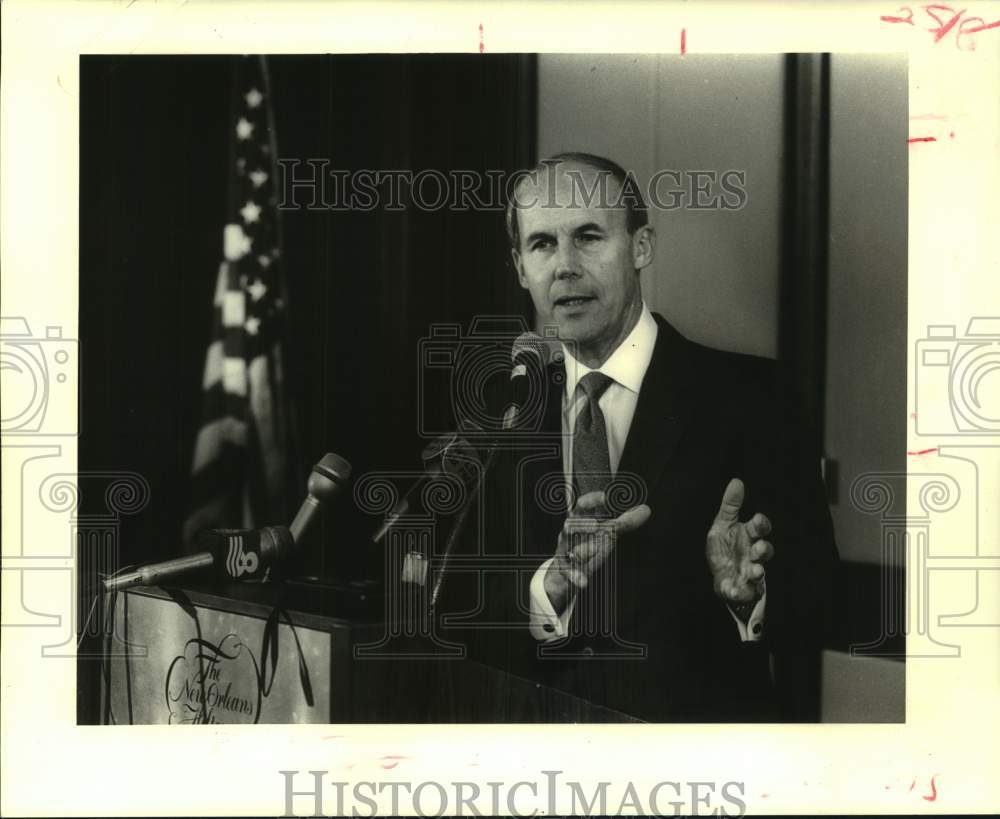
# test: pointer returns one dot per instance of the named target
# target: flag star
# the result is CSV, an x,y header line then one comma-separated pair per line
x,y
250,212
253,97
236,244
241,164
257,290
252,325
258,177
244,128
264,261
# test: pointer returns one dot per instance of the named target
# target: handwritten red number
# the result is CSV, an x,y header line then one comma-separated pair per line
x,y
968,27
942,27
909,19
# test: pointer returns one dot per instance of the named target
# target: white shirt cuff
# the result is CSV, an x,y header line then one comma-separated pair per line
x,y
753,629
545,624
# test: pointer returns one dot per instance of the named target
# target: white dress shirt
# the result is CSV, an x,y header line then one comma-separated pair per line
x,y
626,368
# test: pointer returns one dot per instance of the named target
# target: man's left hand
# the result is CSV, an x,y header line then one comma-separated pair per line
x,y
737,551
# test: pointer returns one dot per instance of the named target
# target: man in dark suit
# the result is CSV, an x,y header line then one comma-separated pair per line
x,y
686,575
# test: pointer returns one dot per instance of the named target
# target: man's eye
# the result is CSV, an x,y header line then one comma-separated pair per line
x,y
589,237
540,244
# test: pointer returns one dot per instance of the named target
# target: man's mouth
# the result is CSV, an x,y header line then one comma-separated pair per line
x,y
572,301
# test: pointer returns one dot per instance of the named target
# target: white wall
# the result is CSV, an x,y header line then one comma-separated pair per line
x,y
866,324
715,276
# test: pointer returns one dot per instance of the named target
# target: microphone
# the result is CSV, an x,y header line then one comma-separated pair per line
x,y
529,355
475,481
447,453
325,481
242,554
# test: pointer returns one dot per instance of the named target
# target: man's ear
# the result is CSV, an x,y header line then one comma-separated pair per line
x,y
515,258
643,246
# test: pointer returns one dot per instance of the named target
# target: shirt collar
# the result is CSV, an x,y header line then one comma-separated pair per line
x,y
628,363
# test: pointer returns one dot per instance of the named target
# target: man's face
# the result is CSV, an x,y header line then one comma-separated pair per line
x,y
579,262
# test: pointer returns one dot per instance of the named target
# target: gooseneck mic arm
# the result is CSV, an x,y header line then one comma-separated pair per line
x,y
448,454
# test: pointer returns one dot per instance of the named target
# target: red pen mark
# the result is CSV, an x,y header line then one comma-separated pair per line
x,y
913,415
335,736
909,19
913,784
968,26
684,41
482,43
922,452
933,794
943,28
911,140
951,134
390,765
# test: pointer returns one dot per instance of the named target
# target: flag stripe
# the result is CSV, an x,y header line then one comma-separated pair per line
x,y
239,469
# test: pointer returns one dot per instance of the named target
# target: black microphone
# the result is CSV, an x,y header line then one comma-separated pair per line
x,y
529,355
448,454
473,484
243,554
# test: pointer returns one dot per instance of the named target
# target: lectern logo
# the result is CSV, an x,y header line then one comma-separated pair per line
x,y
211,683
238,561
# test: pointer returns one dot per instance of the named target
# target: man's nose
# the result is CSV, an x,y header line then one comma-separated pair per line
x,y
566,261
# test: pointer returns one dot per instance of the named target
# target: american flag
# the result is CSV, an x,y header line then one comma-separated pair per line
x,y
240,470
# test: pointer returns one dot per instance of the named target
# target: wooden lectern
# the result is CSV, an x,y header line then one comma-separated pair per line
x,y
299,653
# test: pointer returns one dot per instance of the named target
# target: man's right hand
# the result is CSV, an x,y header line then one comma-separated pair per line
x,y
586,540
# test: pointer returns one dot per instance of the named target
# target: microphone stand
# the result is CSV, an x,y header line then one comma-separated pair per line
x,y
459,525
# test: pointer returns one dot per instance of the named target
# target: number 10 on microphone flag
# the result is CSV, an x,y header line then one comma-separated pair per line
x,y
243,465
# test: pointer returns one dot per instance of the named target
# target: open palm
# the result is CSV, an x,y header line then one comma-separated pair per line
x,y
736,551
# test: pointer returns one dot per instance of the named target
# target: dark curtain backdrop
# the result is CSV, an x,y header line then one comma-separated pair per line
x,y
364,287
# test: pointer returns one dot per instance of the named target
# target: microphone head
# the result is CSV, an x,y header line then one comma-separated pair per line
x,y
461,459
531,345
437,447
328,476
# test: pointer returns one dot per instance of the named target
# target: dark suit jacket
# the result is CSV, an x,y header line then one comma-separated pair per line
x,y
649,637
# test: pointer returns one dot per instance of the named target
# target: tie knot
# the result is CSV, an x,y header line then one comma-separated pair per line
x,y
594,384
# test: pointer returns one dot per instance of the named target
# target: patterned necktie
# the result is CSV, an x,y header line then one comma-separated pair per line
x,y
591,461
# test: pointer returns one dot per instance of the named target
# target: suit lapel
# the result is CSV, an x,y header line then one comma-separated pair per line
x,y
661,415
545,519
663,409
